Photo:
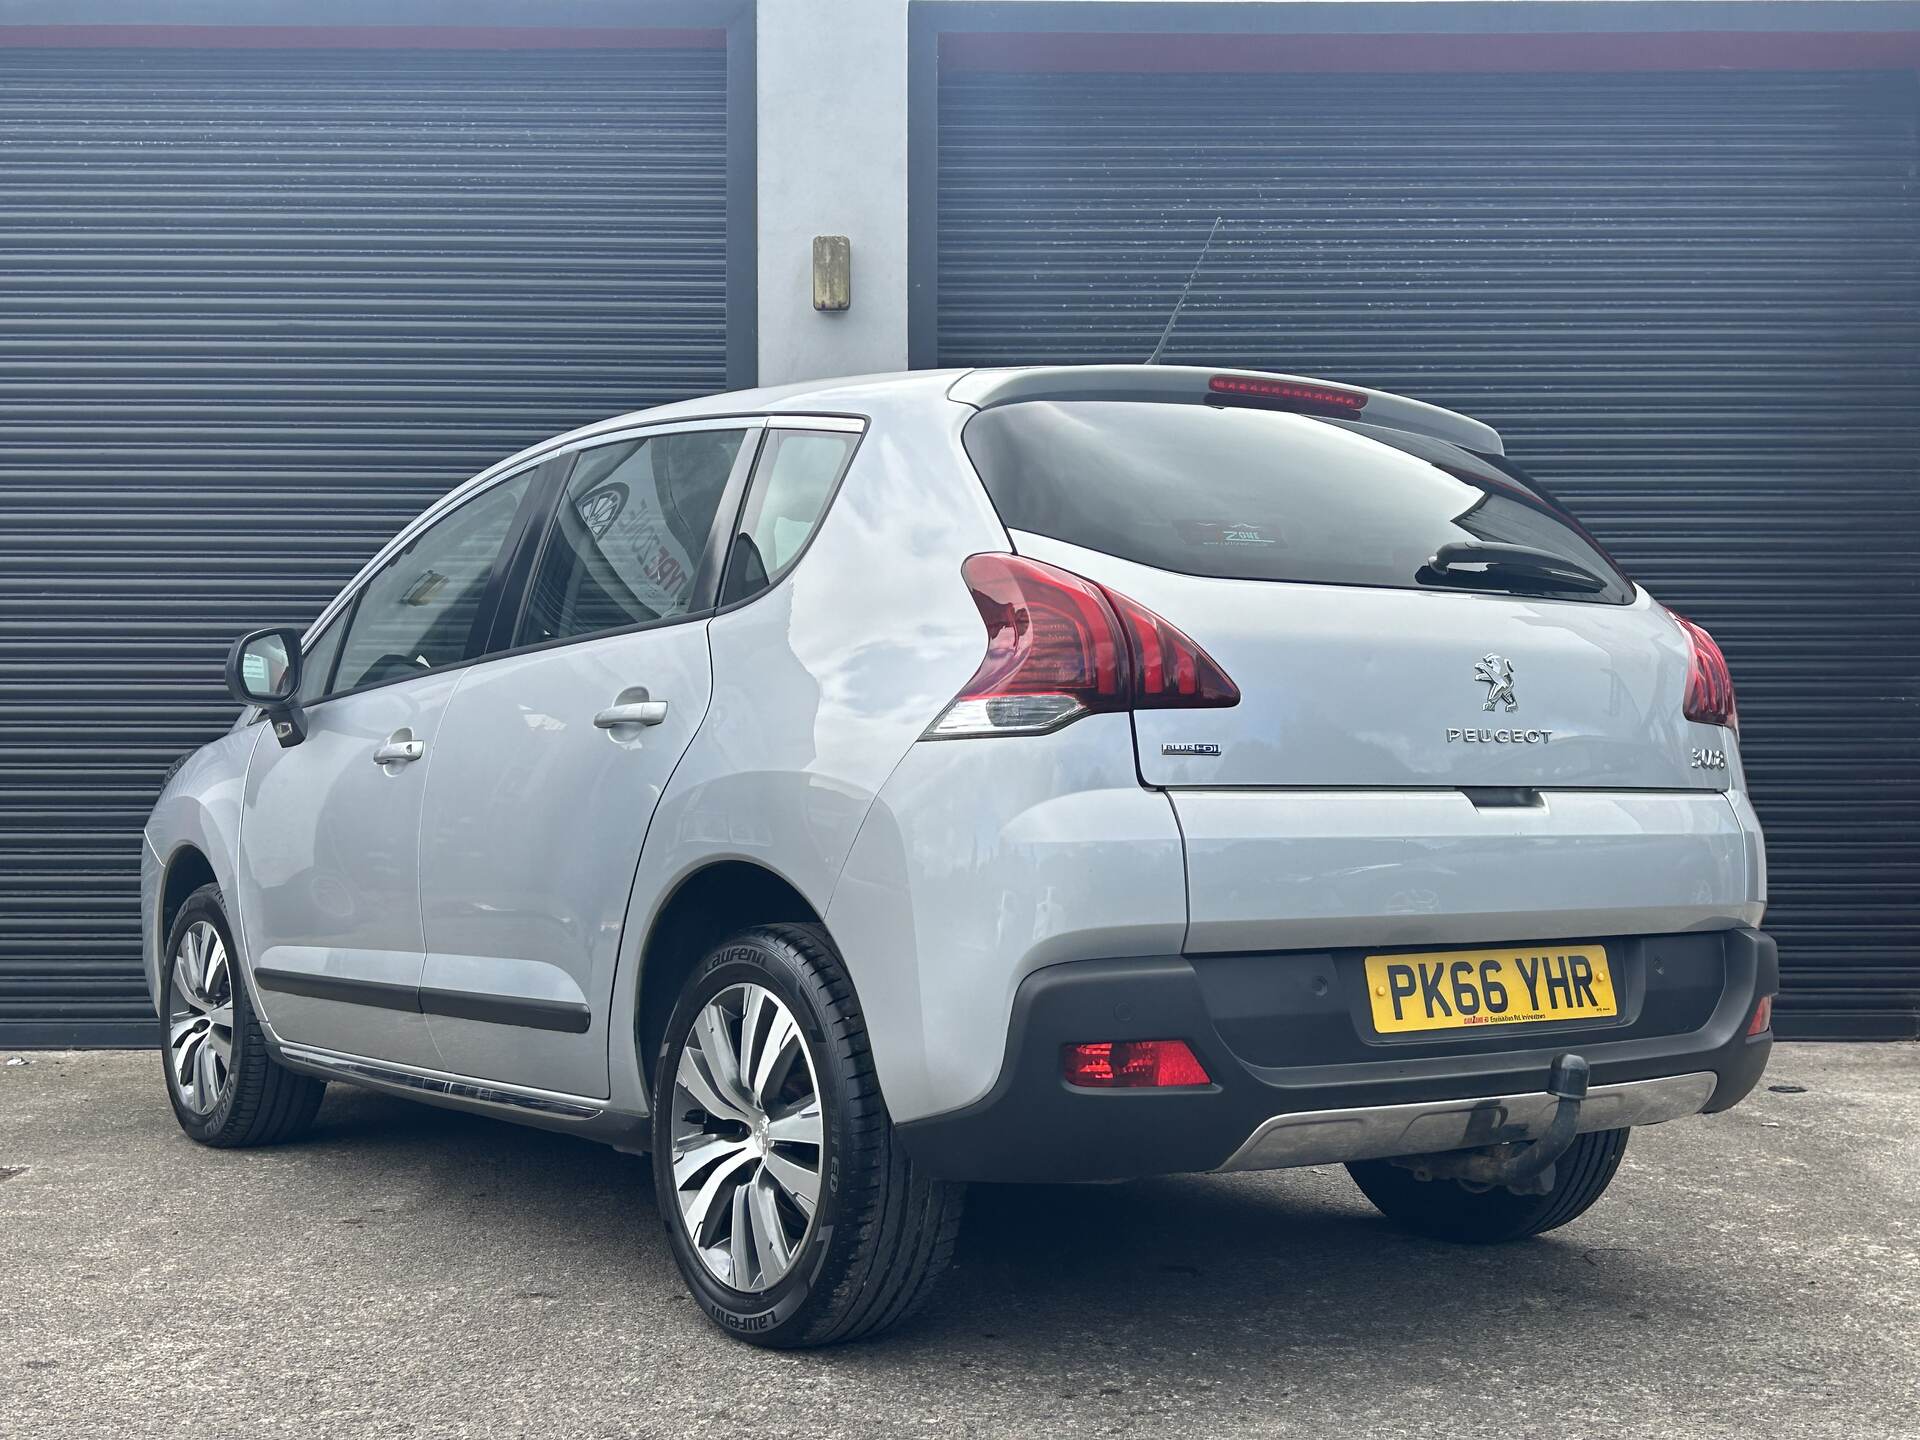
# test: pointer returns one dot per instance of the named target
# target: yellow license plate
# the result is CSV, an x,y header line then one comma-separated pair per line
x,y
1521,985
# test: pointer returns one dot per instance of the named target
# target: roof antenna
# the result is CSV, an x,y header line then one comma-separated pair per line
x,y
1201,259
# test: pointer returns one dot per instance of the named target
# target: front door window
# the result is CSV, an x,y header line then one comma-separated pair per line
x,y
417,614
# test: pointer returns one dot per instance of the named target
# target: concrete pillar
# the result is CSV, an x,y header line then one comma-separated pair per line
x,y
832,83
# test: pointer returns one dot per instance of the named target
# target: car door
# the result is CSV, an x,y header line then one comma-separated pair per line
x,y
551,758
328,876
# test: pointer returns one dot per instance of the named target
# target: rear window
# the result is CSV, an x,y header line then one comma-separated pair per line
x,y
1244,494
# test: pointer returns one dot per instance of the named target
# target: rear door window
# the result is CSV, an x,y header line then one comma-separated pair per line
x,y
1250,494
630,535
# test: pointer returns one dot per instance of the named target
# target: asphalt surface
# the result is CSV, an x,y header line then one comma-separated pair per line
x,y
410,1271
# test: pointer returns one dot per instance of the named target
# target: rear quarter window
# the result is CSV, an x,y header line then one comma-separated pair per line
x,y
1248,494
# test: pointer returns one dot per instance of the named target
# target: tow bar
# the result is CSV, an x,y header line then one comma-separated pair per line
x,y
1526,1168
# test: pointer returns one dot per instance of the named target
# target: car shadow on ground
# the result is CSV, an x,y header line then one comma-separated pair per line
x,y
1183,1275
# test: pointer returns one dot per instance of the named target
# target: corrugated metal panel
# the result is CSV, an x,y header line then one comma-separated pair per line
x,y
1690,301
258,309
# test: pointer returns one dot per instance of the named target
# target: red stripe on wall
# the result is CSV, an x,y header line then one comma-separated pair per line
x,y
1411,54
368,37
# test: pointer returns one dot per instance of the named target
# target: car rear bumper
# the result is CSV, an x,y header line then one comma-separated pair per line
x,y
1299,1078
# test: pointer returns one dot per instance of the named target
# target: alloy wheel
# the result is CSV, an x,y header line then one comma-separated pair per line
x,y
200,1017
747,1137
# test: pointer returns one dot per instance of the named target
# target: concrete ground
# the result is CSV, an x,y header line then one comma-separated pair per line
x,y
410,1271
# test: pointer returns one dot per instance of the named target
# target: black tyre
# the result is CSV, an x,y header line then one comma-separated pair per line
x,y
792,1211
1449,1210
226,1089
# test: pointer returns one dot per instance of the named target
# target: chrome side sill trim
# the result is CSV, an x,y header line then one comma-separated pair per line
x,y
1326,1137
376,1072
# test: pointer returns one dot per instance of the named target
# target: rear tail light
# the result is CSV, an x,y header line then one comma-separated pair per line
x,y
1709,683
1059,647
1131,1065
1762,1016
1170,672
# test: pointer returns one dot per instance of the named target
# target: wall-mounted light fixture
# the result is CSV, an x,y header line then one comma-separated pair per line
x,y
832,272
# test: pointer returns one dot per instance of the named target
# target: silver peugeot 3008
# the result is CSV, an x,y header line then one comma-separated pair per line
x,y
848,791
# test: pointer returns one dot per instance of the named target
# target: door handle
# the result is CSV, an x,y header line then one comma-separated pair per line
x,y
638,712
399,752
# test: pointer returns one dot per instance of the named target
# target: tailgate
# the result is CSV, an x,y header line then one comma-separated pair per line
x,y
1395,611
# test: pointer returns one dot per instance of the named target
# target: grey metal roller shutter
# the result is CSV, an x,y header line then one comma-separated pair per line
x,y
256,309
1690,300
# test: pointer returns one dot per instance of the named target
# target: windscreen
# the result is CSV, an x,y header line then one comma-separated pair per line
x,y
1248,494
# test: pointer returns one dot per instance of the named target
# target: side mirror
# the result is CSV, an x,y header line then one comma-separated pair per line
x,y
263,669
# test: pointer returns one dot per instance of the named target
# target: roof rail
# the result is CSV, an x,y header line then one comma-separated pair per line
x,y
1193,385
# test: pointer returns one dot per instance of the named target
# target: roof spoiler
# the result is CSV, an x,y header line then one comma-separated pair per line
x,y
1192,385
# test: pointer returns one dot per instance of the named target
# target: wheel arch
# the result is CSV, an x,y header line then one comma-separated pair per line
x,y
186,870
192,838
720,898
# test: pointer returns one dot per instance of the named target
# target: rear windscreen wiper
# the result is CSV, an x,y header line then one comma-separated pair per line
x,y
1501,565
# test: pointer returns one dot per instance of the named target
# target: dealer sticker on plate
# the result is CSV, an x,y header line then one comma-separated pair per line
x,y
1452,989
